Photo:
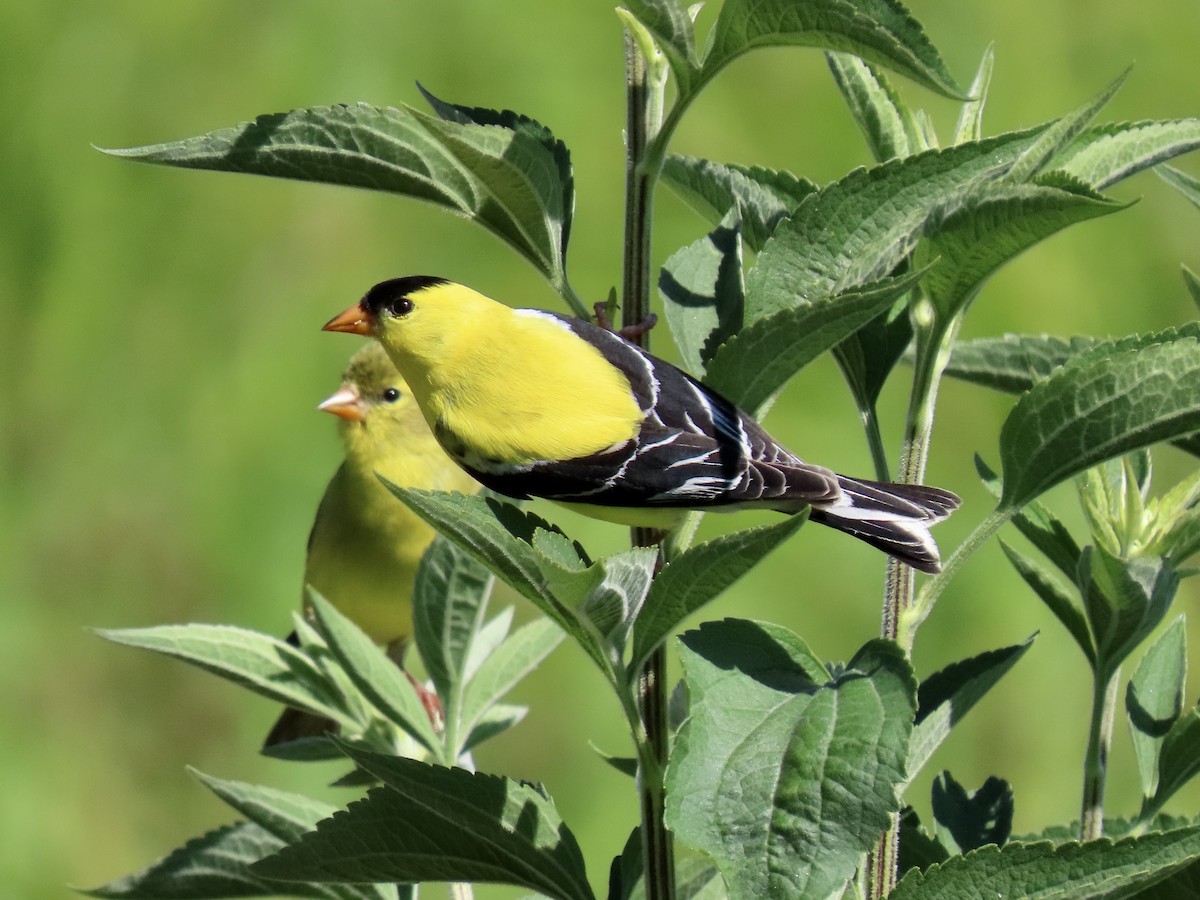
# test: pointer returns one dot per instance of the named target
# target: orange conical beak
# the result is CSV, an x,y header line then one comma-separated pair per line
x,y
354,320
345,404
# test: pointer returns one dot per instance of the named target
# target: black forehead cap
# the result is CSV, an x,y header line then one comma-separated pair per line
x,y
387,292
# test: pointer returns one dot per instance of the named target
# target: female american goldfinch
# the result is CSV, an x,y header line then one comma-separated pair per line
x,y
365,544
536,404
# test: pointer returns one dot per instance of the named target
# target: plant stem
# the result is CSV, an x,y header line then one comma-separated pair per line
x,y
934,338
645,90
1095,764
870,420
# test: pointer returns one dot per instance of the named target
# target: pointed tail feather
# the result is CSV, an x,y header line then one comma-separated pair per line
x,y
894,518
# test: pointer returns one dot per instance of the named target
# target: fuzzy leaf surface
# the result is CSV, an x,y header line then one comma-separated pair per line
x,y
1119,397
374,673
519,655
949,694
859,229
890,129
502,536
977,234
1154,700
752,366
762,197
265,665
699,575
1095,869
509,179
702,292
879,31
784,779
972,819
1105,154
430,823
450,596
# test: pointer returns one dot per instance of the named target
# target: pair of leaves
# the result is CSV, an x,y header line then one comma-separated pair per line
x,y
597,603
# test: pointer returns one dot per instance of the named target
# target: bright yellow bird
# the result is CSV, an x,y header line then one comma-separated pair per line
x,y
365,544
536,404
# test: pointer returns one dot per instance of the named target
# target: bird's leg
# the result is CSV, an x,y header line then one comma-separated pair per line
x,y
629,332
396,652
432,703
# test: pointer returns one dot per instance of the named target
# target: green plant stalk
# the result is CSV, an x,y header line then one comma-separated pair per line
x,y
645,91
1095,764
934,338
870,422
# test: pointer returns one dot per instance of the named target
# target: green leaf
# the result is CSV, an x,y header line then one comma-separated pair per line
x,y
1119,397
431,823
979,232
972,820
608,595
264,665
1013,362
1125,599
284,815
213,865
450,597
668,21
1154,700
519,655
1186,184
1095,869
702,291
697,576
868,356
490,636
374,673
886,121
1109,153
755,363
1060,134
495,720
509,179
918,848
949,694
969,126
879,31
501,536
784,780
1192,283
1179,758
761,197
1065,607
1039,526
859,229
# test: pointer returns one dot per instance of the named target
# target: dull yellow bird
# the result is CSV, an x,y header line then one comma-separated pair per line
x,y
365,545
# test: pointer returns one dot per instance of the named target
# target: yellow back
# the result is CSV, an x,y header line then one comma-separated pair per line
x,y
510,385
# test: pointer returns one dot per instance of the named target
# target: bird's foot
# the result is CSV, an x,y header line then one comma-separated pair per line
x,y
629,332
432,703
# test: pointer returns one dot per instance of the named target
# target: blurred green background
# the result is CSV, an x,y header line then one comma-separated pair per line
x,y
161,358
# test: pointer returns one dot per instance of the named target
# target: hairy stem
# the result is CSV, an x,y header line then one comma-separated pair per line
x,y
645,86
1095,764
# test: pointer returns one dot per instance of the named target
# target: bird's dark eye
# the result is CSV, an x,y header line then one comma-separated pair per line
x,y
401,306
391,395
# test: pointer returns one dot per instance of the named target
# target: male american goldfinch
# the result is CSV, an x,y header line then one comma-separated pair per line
x,y
536,404
365,544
